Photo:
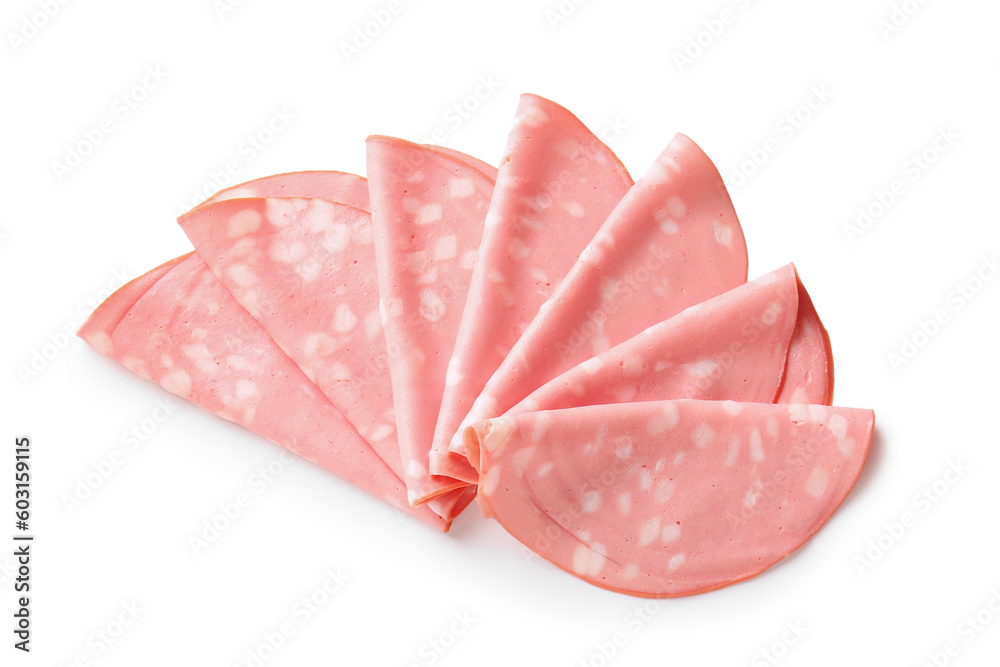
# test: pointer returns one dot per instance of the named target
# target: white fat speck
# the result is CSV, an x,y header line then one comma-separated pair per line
x,y
703,435
281,212
702,368
454,375
592,366
608,288
816,484
675,562
633,365
625,503
522,458
496,277
667,417
286,252
591,502
244,222
679,457
581,559
491,480
817,413
445,248
670,533
649,531
518,250
773,428
468,260
846,446
177,382
339,373
410,204
242,275
623,447
664,490
416,262
660,465
724,235
677,207
533,117
630,571
732,408
575,209
624,393
432,307
237,362
734,450
756,447
337,237
645,480
344,319
800,395
461,187
246,389
429,213
798,412
669,226
381,432
545,469
428,277
837,424
415,470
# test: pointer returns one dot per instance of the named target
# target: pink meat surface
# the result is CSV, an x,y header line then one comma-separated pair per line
x,y
556,186
669,498
180,328
672,242
732,347
809,374
338,186
428,210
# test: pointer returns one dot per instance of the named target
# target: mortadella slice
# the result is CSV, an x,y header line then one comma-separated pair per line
x,y
180,328
337,186
809,374
428,210
557,184
732,347
669,498
672,242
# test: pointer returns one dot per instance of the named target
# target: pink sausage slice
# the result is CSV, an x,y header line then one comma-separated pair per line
x,y
178,327
557,184
672,242
669,498
428,210
338,186
732,347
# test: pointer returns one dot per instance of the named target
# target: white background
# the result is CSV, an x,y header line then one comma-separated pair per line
x,y
65,241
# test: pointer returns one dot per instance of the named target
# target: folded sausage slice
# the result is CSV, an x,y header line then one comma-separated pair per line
x,y
668,498
338,186
738,346
180,328
672,242
556,186
428,210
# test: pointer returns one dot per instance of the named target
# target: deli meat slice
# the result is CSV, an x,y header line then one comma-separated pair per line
x,y
428,210
180,328
669,498
809,374
557,184
337,186
672,242
737,346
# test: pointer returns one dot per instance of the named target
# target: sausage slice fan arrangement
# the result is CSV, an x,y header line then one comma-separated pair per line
x,y
581,354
